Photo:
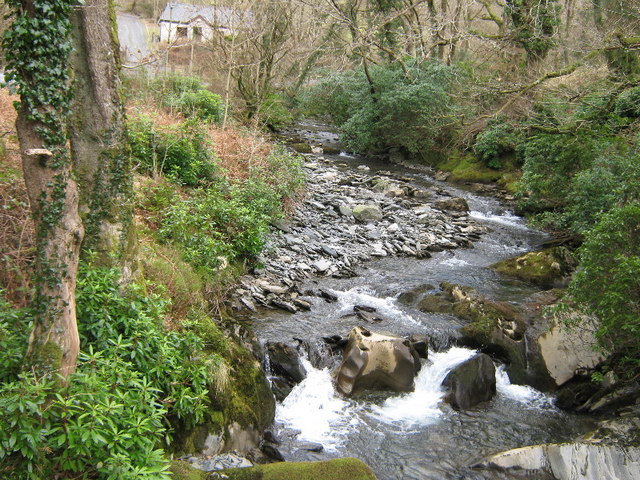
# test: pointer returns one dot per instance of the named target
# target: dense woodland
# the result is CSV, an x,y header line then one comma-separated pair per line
x,y
134,197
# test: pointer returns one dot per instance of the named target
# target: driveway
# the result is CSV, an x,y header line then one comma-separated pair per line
x,y
134,46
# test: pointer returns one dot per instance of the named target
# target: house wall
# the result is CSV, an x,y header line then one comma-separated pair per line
x,y
169,31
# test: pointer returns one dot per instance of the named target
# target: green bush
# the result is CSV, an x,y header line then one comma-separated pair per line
x,y
129,327
105,424
606,283
413,111
496,142
552,160
628,103
274,113
189,96
15,325
182,153
202,104
228,222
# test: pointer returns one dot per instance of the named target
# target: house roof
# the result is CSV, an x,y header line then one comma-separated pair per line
x,y
185,13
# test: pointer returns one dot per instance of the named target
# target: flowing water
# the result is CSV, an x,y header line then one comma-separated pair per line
x,y
415,435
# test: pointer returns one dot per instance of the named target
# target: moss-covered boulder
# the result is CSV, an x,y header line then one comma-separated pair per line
x,y
183,471
547,268
301,147
338,469
242,405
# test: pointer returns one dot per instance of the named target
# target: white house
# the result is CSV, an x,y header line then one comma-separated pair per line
x,y
183,21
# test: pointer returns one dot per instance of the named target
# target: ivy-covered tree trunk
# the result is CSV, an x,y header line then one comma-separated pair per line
x,y
97,135
37,50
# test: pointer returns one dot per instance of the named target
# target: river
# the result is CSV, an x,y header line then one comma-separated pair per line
x,y
414,435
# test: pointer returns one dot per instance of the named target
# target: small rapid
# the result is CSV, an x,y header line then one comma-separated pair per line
x,y
413,436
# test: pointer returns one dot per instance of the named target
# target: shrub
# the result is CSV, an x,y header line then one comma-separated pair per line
x,y
202,104
181,152
189,96
628,103
607,282
413,111
274,113
14,331
129,327
496,142
551,161
106,423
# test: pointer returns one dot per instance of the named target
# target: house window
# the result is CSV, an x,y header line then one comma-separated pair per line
x,y
181,32
197,33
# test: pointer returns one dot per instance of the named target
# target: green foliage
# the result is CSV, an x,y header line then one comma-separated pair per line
x,y
628,103
15,325
495,142
413,111
105,423
227,222
189,96
534,23
129,327
552,160
182,153
274,113
607,282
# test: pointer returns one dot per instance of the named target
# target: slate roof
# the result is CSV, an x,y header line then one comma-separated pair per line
x,y
184,13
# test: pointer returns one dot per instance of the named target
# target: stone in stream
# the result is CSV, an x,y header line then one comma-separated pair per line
x,y
375,361
471,382
547,268
455,204
285,361
367,213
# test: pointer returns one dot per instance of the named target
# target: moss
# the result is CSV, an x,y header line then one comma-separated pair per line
x,y
338,469
183,471
465,168
544,268
45,358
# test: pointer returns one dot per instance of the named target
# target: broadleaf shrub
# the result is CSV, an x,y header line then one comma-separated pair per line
x,y
495,142
182,153
415,111
606,283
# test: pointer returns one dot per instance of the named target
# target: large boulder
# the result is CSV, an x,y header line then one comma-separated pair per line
x,y
375,361
570,461
367,213
547,268
471,382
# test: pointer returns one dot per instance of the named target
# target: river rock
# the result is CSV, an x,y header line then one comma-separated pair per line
x,y
301,147
367,213
571,461
285,361
455,204
471,382
548,268
376,361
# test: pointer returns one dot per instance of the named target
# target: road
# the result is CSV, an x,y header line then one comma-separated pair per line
x,y
133,37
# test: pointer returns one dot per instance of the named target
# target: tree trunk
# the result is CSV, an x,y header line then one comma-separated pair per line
x,y
98,135
54,342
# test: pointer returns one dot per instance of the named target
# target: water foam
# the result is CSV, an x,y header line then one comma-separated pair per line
x,y
420,407
314,409
385,306
507,218
523,394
